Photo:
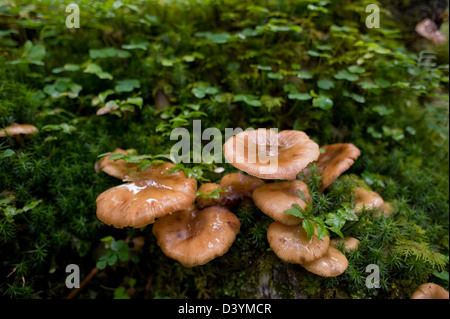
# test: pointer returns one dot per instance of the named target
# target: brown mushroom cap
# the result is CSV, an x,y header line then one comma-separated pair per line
x,y
152,193
291,243
430,291
430,31
240,183
208,188
119,169
368,199
386,209
235,186
195,237
332,264
251,152
275,198
350,243
18,129
336,159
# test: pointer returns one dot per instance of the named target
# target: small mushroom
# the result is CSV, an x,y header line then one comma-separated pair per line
x,y
195,237
150,194
207,189
429,30
366,199
349,243
267,154
430,291
386,209
332,264
18,129
119,169
275,198
291,243
336,159
108,108
232,188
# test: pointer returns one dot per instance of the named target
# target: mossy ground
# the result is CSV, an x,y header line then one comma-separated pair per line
x,y
304,65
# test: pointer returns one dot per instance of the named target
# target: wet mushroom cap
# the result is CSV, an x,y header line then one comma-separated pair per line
x,y
119,169
234,186
291,243
336,159
366,199
333,263
350,243
267,154
195,237
18,129
240,183
430,291
152,193
203,201
274,199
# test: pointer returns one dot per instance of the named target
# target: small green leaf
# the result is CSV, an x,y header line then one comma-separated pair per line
x,y
6,153
127,85
299,96
308,225
323,102
325,84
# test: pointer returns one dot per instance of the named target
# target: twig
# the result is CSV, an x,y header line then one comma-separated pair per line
x,y
85,281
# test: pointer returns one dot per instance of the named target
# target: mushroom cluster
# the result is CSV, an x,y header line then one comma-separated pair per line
x,y
250,151
194,226
165,198
288,239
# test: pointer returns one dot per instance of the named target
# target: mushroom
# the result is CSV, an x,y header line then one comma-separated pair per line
x,y
150,194
207,189
349,243
17,130
267,154
333,263
275,198
195,237
291,243
232,187
430,291
366,199
385,208
108,108
336,159
429,30
119,169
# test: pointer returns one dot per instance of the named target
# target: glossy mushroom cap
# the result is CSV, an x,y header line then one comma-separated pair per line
x,y
235,186
430,291
18,129
152,193
207,189
366,199
239,183
270,155
350,243
275,198
291,243
118,169
332,264
336,159
195,237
